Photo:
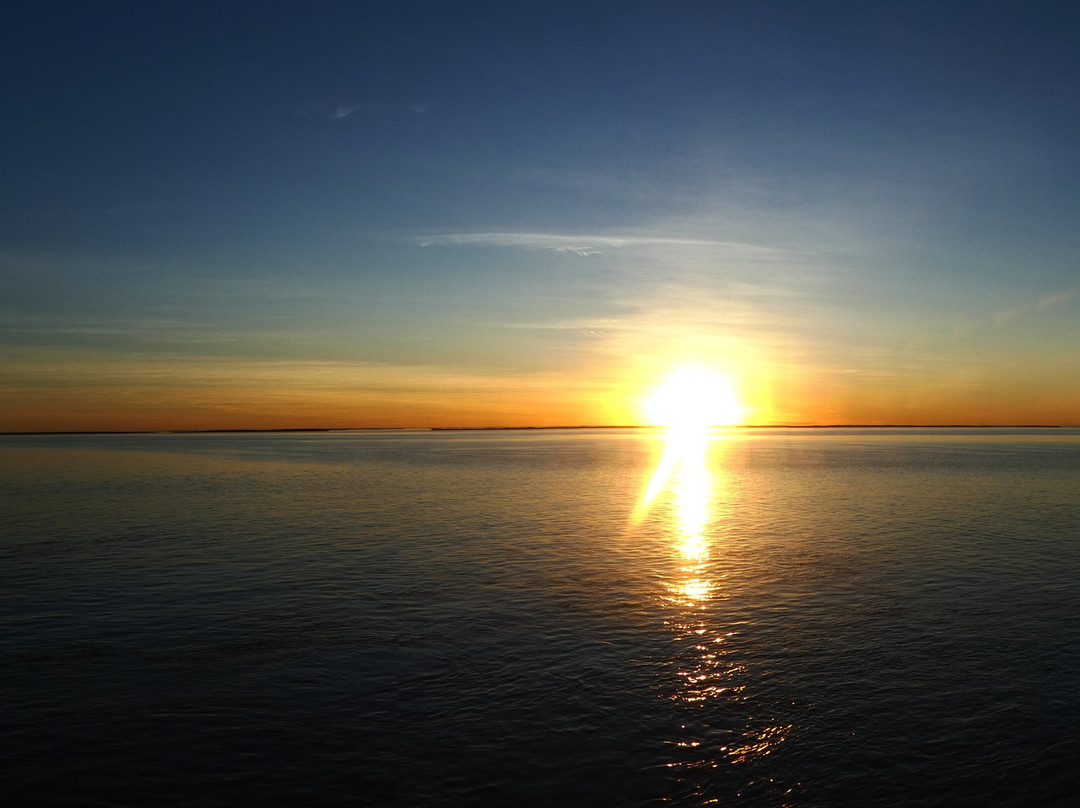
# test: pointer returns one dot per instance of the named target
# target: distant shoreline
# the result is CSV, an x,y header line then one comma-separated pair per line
x,y
516,428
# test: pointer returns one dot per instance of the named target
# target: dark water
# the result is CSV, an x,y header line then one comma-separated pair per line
x,y
816,618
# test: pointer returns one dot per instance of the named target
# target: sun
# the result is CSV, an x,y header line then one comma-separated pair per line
x,y
693,399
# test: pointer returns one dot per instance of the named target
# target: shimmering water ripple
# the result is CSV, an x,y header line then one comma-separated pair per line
x,y
805,619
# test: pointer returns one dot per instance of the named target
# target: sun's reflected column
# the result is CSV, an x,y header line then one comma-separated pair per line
x,y
698,499
707,678
692,497
696,505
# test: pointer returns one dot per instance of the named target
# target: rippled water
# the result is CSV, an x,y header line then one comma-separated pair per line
x,y
787,618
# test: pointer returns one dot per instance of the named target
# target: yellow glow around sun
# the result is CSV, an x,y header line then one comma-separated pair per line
x,y
693,399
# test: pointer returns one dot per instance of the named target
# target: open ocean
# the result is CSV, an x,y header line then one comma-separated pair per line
x,y
851,617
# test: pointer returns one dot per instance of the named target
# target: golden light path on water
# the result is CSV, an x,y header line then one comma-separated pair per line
x,y
700,504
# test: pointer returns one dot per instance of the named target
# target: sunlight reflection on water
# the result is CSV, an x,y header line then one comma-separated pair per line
x,y
709,680
797,618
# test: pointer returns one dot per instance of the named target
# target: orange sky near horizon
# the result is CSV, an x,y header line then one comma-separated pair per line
x,y
124,395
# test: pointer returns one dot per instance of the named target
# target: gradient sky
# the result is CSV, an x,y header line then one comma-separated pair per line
x,y
462,213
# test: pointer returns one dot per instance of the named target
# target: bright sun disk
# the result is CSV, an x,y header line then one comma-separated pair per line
x,y
693,398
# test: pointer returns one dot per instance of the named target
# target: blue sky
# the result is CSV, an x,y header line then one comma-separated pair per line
x,y
436,213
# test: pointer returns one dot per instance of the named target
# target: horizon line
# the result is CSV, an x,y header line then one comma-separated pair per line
x,y
518,428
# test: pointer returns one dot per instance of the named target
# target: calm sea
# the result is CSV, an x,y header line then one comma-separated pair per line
x,y
598,618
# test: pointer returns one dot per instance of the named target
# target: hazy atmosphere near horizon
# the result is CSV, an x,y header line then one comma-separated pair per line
x,y
259,215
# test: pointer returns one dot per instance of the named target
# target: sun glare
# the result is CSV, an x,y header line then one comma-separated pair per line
x,y
693,399
687,404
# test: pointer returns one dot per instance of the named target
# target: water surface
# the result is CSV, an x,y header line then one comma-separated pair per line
x,y
802,618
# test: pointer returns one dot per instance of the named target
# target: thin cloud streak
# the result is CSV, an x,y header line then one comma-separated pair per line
x,y
70,369
594,244
1043,305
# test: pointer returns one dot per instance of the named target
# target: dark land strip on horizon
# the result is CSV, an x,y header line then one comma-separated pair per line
x,y
516,428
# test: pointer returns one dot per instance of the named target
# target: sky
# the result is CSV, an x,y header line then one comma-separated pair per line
x,y
411,214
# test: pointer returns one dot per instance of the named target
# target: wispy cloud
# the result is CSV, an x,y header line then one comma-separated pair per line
x,y
345,110
333,112
72,367
589,244
142,330
1055,299
1042,305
